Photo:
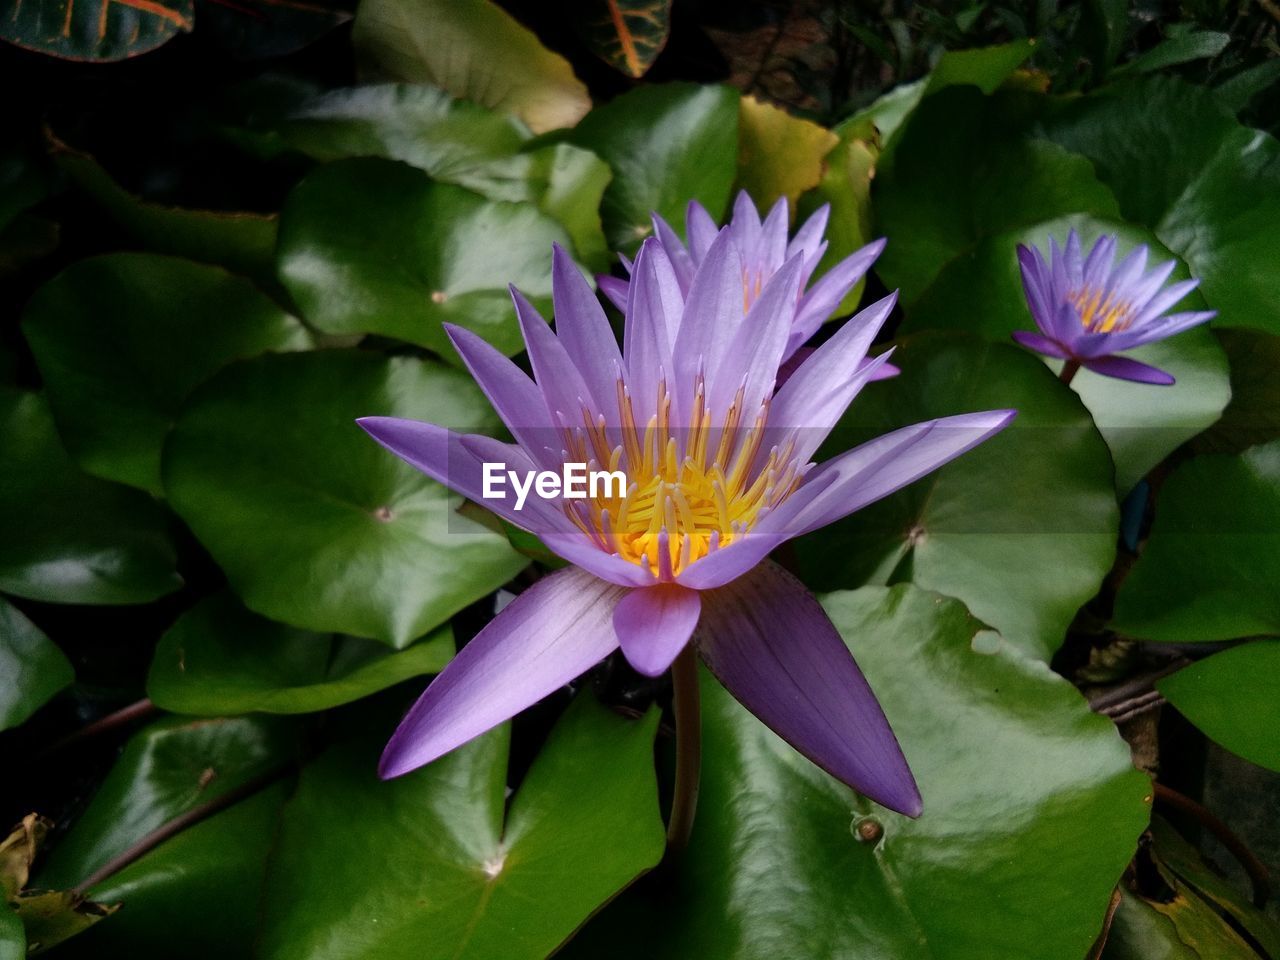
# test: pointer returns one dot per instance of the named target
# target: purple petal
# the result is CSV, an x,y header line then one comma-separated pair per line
x,y
825,295
711,319
681,262
809,236
1128,272
1160,329
773,237
515,397
774,648
582,327
1150,285
653,625
878,468
1123,368
879,371
1036,286
1165,299
553,632
745,226
1040,344
700,230
558,378
615,288
654,306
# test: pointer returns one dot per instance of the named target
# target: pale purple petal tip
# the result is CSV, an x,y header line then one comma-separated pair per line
x,y
654,624
614,288
774,648
554,631
1122,368
1040,344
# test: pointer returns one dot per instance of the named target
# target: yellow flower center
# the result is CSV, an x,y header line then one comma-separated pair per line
x,y
683,500
1101,312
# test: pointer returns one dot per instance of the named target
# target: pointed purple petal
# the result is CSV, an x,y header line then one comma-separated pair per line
x,y
809,236
774,648
558,378
681,262
700,230
1122,368
1039,343
553,632
653,625
773,238
582,327
654,306
882,466
712,316
614,288
825,295
744,225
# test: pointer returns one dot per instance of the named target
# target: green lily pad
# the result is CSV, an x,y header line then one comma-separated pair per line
x,y
982,292
69,537
667,144
221,659
1253,414
121,341
1209,569
779,155
786,861
434,864
314,524
96,32
995,179
1022,529
473,49
1234,697
1209,188
205,882
167,769
371,246
458,142
33,667
243,242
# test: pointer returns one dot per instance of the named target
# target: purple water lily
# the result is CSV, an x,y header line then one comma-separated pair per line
x,y
719,472
764,249
1089,308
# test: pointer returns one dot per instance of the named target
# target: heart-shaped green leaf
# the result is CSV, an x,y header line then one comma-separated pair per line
x,y
205,882
786,861
371,246
428,865
982,292
166,770
1209,569
995,179
1234,697
667,144
1209,188
1038,497
221,659
458,142
123,339
96,32
69,537
316,525
473,49
34,669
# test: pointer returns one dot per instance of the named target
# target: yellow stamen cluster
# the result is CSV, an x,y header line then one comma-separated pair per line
x,y
1101,312
686,499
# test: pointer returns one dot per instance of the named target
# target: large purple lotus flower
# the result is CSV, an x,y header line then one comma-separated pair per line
x,y
764,249
719,472
1089,308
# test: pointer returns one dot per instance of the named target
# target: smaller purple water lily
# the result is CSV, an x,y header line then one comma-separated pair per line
x,y
1090,308
764,249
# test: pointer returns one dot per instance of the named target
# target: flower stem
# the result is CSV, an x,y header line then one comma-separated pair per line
x,y
1069,370
684,802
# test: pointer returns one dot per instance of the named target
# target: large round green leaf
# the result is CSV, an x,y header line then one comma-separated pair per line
x,y
123,339
1022,528
34,669
199,889
458,142
1253,414
221,659
475,50
994,178
1032,809
982,292
1210,188
435,864
371,246
69,537
316,525
166,770
1234,697
1209,569
96,32
667,145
